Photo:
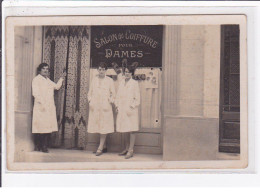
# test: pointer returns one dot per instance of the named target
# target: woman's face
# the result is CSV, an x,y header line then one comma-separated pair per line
x,y
45,71
128,74
101,72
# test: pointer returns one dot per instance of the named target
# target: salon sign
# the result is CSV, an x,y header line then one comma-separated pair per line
x,y
142,44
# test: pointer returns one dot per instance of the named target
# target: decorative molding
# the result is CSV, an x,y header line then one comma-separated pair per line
x,y
190,117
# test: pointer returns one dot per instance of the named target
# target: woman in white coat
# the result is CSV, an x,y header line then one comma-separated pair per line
x,y
100,97
127,103
44,119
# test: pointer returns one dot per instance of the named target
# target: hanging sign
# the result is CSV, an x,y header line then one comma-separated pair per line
x,y
112,44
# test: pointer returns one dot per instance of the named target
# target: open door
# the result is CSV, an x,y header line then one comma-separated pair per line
x,y
229,140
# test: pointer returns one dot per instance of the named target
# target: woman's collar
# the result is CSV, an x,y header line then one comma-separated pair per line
x,y
130,80
45,78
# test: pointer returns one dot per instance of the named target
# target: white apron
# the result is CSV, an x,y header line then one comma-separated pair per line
x,y
101,96
127,102
44,110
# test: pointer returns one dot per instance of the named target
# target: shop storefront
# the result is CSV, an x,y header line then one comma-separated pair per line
x,y
178,73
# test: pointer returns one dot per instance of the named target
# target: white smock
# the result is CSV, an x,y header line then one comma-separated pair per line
x,y
127,102
101,96
44,111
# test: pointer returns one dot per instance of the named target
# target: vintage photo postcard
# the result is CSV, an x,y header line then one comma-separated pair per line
x,y
126,92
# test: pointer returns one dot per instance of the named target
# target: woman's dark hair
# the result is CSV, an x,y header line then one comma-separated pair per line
x,y
102,65
130,69
42,65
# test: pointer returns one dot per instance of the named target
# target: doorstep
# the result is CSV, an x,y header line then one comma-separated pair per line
x,y
63,155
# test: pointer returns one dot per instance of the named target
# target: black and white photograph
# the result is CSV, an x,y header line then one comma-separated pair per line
x,y
118,93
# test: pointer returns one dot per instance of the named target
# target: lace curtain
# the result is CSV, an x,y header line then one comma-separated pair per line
x,y
68,49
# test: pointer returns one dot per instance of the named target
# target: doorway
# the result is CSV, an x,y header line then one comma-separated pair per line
x,y
229,118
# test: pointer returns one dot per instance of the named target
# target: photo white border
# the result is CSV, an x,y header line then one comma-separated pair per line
x,y
251,13
12,22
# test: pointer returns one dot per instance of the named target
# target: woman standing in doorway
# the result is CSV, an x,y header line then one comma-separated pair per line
x,y
100,97
127,104
44,119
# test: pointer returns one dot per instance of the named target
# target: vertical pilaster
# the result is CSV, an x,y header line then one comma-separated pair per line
x,y
27,58
171,59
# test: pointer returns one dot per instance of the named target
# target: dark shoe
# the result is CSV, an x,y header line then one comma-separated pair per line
x,y
104,151
37,142
123,153
45,150
41,142
45,143
37,148
99,152
129,154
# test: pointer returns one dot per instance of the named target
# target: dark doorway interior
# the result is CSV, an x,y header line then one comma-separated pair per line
x,y
229,140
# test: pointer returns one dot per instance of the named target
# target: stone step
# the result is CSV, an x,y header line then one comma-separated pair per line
x,y
63,155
